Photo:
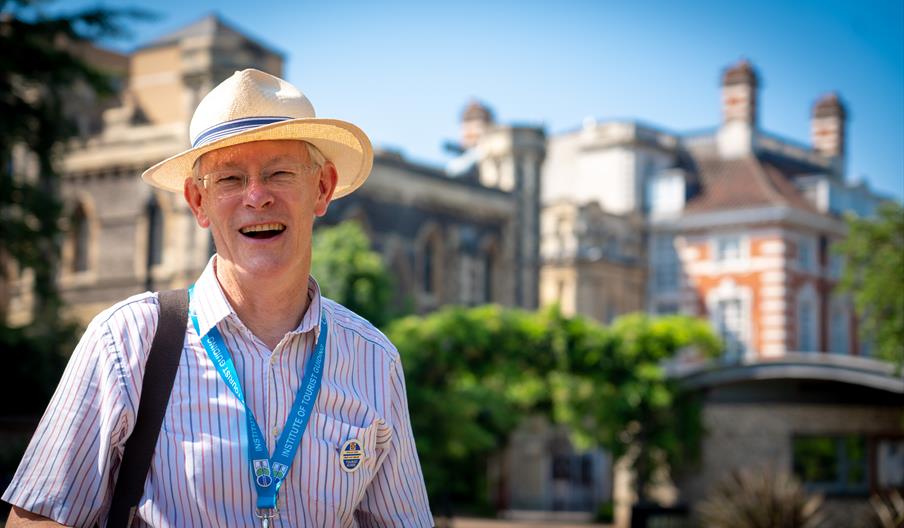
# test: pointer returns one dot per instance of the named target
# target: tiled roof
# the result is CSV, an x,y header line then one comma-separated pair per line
x,y
742,183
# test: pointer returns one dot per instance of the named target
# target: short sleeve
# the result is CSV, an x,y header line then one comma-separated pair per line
x,y
68,469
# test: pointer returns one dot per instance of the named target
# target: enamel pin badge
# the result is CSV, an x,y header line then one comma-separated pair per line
x,y
351,455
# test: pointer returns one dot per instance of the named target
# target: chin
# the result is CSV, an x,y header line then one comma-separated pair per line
x,y
267,268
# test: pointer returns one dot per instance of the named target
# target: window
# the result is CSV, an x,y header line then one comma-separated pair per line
x,y
430,265
428,268
806,325
728,248
666,264
730,325
489,265
839,329
836,266
833,464
805,335
81,239
890,463
805,254
667,308
155,233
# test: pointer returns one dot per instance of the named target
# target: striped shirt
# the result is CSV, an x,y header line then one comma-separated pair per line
x,y
199,474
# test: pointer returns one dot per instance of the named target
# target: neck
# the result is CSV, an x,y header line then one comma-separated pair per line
x,y
269,306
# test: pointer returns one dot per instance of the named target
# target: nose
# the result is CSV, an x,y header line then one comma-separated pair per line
x,y
256,194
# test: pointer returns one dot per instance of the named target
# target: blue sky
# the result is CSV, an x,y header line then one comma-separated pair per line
x,y
404,70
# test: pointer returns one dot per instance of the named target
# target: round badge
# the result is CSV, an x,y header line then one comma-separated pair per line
x,y
264,481
351,455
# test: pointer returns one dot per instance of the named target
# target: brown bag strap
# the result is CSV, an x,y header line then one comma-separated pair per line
x,y
159,375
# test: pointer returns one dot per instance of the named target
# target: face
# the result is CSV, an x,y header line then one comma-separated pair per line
x,y
264,229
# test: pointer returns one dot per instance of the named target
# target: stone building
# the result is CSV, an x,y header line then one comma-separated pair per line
x,y
734,225
468,239
737,226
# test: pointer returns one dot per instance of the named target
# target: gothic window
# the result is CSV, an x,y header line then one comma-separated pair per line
x,y
81,239
155,232
489,265
430,266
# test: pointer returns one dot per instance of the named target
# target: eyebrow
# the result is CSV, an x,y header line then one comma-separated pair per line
x,y
282,158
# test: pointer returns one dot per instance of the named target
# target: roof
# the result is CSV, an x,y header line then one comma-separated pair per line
x,y
745,182
211,25
852,370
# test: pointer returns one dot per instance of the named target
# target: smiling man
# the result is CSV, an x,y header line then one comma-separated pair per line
x,y
287,409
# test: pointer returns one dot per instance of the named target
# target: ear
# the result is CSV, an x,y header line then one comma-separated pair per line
x,y
195,198
326,186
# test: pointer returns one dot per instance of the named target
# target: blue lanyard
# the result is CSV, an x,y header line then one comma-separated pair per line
x,y
268,472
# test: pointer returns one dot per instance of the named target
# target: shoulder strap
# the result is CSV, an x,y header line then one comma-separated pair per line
x,y
159,374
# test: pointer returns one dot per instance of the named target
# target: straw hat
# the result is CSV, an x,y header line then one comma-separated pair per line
x,y
256,106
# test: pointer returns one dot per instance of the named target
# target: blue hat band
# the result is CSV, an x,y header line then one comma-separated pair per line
x,y
230,128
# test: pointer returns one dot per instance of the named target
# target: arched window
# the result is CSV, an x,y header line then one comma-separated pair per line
x,y
81,239
155,232
430,264
489,265
428,270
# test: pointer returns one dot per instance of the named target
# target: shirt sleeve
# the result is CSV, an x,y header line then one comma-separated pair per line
x,y
68,468
397,495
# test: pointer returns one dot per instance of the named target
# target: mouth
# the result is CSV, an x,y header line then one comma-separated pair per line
x,y
260,231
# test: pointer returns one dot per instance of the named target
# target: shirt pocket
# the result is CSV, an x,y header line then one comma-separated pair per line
x,y
325,480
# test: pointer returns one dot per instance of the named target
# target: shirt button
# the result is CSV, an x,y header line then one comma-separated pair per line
x,y
273,359
275,432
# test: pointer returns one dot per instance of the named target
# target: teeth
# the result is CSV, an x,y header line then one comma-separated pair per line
x,y
262,227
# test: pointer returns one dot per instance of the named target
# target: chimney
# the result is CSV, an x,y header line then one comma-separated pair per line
x,y
739,94
827,126
475,120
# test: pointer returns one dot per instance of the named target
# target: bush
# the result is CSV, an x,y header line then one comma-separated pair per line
x,y
761,499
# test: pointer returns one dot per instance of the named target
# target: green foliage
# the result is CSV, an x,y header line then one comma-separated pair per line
x,y
473,374
626,403
761,499
874,274
39,66
352,274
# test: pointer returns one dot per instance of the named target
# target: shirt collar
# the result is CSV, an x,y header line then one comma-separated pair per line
x,y
211,305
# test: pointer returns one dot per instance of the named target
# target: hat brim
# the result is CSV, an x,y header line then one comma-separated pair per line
x,y
344,144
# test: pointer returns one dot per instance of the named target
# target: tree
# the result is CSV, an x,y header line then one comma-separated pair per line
x,y
473,374
874,275
352,274
620,397
39,65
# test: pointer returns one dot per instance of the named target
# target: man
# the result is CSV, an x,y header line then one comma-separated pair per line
x,y
261,167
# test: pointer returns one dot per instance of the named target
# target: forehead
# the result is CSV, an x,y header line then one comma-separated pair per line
x,y
255,153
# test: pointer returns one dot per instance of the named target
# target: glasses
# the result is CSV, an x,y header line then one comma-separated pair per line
x,y
228,183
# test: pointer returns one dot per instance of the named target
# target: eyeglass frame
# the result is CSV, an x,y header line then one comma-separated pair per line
x,y
210,185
